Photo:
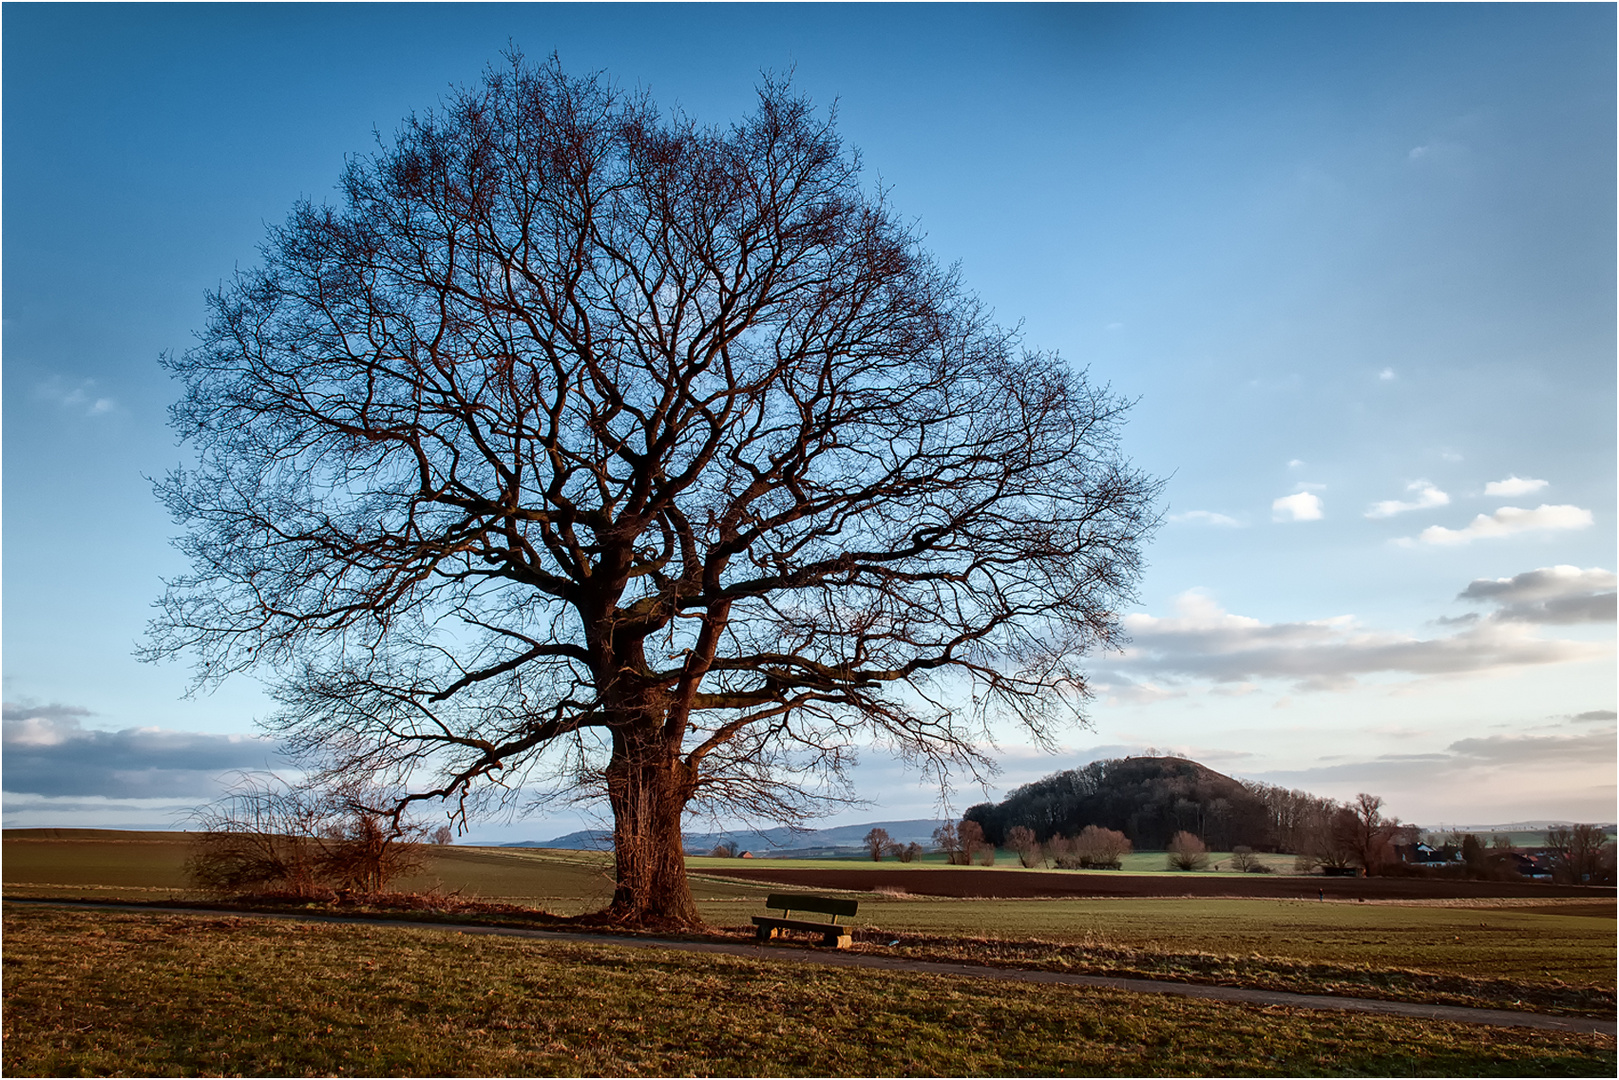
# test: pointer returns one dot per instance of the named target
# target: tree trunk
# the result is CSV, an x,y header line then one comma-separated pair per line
x,y
648,788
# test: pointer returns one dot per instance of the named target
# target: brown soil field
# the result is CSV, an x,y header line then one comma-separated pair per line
x,y
965,881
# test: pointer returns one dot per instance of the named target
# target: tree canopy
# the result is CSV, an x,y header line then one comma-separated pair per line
x,y
584,445
1148,799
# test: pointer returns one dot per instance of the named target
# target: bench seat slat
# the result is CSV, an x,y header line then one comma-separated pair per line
x,y
800,924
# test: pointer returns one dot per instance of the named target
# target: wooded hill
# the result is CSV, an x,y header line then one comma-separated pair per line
x,y
1149,799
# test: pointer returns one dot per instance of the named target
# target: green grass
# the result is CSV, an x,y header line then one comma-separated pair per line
x,y
97,993
97,859
1492,942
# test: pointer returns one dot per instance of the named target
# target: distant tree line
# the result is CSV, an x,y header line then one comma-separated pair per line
x,y
1148,799
1162,803
1088,817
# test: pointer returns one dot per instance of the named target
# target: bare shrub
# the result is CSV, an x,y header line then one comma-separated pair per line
x,y
1101,849
268,836
1060,850
971,835
948,839
363,850
1020,838
910,852
878,841
1095,848
725,849
1187,852
262,836
1244,859
442,835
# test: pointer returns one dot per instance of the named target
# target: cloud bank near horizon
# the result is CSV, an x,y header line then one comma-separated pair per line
x,y
1204,642
1550,595
49,752
1553,776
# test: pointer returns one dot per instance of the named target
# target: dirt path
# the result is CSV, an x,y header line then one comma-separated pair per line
x,y
795,954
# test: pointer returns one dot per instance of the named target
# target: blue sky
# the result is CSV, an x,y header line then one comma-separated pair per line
x,y
1356,263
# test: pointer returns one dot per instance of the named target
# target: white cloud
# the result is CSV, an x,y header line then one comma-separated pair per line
x,y
1202,641
1122,690
1386,375
1296,463
1305,506
1206,517
1435,151
80,397
1427,496
1505,522
1512,487
1551,594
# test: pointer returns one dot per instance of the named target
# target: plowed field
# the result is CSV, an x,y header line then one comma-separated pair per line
x,y
986,882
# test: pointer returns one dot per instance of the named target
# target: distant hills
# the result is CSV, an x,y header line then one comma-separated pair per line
x,y
1518,826
1148,799
767,843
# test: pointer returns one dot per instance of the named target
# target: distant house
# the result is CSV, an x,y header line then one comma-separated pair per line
x,y
1530,866
1422,854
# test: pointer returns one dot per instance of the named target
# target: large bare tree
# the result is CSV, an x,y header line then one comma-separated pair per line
x,y
585,445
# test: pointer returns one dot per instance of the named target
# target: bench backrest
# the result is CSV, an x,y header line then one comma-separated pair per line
x,y
825,905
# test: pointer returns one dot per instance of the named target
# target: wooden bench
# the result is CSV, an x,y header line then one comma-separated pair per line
x,y
769,926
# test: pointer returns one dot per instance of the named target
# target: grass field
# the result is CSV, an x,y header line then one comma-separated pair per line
x,y
1559,956
148,994
1474,942
1561,941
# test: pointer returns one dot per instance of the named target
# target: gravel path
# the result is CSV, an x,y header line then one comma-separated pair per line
x,y
830,958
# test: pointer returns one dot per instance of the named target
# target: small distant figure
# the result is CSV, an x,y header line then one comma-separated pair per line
x,y
1321,894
